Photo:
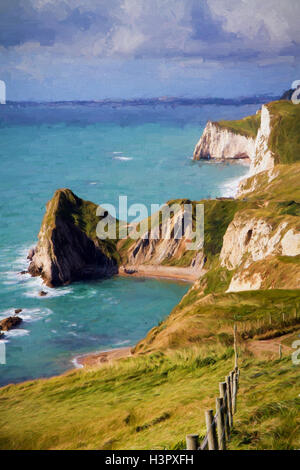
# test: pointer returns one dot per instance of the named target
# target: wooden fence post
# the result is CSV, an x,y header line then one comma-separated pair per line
x,y
192,442
220,423
280,351
234,393
231,376
223,388
211,430
229,407
235,346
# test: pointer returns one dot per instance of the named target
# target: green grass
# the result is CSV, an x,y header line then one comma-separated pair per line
x,y
248,126
199,317
285,134
152,402
283,187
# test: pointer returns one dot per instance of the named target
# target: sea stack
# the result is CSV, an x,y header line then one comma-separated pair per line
x,y
68,249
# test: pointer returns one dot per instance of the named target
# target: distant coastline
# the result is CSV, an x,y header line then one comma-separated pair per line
x,y
160,101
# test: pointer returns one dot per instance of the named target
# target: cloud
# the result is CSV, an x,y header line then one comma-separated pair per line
x,y
208,29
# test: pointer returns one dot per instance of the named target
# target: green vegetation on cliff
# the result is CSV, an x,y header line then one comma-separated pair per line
x,y
152,402
66,206
248,126
285,131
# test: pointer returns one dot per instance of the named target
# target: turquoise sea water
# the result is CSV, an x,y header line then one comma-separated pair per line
x,y
100,152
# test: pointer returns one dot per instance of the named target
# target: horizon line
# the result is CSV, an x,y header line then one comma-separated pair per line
x,y
158,100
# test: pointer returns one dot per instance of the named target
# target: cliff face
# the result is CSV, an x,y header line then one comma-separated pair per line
x,y
262,157
221,143
250,239
68,249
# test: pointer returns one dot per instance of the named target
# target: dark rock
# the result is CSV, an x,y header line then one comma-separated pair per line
x,y
68,249
42,293
9,323
130,271
18,310
23,272
31,253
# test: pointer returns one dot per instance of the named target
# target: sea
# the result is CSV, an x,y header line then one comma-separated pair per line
x,y
100,151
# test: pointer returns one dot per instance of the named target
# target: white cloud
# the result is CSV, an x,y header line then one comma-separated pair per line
x,y
250,19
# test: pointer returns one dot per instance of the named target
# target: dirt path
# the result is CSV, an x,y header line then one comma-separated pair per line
x,y
270,346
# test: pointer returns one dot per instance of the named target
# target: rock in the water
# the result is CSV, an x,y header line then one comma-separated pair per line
x,y
31,254
68,248
42,293
9,323
18,310
23,272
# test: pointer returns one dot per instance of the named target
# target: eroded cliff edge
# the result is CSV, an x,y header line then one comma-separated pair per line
x,y
267,138
68,249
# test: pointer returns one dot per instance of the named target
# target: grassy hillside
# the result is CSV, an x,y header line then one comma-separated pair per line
x,y
248,126
152,402
285,135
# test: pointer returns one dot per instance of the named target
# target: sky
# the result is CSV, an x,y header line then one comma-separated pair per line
x,y
97,49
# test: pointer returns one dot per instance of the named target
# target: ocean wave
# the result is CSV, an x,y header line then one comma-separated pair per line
x,y
27,314
16,333
123,158
121,343
76,363
35,284
230,188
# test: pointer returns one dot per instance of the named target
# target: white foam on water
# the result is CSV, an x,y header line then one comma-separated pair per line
x,y
76,363
35,284
111,301
34,314
230,188
27,314
121,343
123,158
16,333
7,313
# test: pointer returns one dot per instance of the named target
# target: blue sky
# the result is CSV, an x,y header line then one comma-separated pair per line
x,y
96,49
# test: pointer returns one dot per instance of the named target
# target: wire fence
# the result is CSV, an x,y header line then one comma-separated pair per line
x,y
219,425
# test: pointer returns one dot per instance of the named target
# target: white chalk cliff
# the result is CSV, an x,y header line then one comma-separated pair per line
x,y
220,143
